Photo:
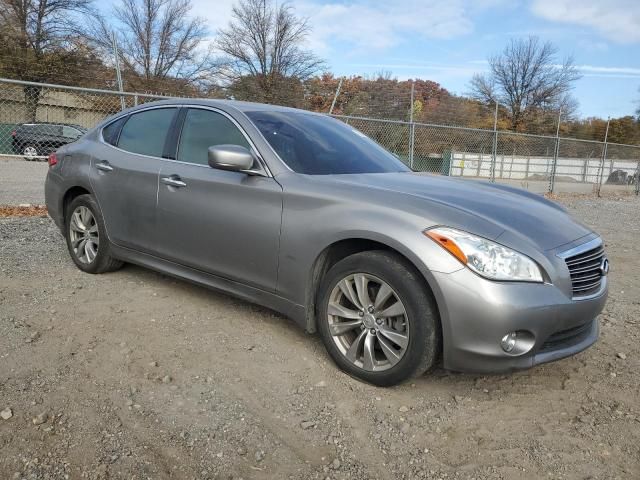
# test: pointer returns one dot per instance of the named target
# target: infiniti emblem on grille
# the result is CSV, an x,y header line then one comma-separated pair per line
x,y
604,267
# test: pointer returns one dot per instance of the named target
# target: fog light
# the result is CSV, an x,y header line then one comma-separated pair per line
x,y
508,342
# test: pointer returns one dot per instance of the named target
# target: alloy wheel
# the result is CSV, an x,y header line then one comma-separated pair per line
x,y
368,322
84,235
30,152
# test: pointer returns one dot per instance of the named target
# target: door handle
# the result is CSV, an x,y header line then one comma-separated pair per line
x,y
173,181
104,166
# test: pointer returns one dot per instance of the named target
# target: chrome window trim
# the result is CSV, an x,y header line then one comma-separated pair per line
x,y
263,172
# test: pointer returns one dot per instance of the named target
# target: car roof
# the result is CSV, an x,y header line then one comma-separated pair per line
x,y
236,104
35,124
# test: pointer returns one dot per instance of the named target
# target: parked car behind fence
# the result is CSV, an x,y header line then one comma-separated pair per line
x,y
33,140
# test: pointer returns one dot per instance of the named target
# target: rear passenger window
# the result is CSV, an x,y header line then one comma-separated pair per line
x,y
203,129
111,132
145,132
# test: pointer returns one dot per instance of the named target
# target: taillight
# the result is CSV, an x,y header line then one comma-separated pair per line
x,y
53,159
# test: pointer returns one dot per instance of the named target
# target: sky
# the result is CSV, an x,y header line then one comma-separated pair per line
x,y
447,41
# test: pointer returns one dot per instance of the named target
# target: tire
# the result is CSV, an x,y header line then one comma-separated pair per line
x,y
96,258
413,322
30,152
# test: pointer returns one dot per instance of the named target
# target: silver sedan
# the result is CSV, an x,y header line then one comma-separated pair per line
x,y
301,213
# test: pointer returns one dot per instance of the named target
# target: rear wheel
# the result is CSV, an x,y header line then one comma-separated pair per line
x,y
86,237
377,319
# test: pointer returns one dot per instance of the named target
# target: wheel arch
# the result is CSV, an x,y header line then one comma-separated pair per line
x,y
344,247
69,195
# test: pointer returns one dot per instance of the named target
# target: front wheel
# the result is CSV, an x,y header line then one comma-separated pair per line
x,y
86,237
377,319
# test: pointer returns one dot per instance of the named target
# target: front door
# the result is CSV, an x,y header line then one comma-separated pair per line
x,y
222,222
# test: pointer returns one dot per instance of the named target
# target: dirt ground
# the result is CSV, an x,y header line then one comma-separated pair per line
x,y
135,375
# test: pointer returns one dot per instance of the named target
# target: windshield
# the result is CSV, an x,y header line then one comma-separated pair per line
x,y
319,145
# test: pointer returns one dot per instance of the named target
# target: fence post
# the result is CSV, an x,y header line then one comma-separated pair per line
x,y
412,129
494,149
135,100
602,160
637,179
335,97
556,152
116,57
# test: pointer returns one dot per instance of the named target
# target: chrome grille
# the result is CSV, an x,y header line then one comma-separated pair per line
x,y
586,271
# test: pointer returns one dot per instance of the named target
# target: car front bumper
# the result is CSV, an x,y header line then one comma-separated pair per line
x,y
477,313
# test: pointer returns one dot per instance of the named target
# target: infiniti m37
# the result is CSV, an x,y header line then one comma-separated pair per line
x,y
397,271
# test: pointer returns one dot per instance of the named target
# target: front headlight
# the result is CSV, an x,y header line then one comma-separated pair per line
x,y
485,257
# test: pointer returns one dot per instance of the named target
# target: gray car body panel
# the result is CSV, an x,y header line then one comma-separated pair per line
x,y
260,237
242,247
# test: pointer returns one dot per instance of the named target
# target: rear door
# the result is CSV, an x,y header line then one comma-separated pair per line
x,y
124,175
222,222
50,140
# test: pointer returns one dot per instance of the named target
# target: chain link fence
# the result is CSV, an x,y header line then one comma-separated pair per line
x,y
36,119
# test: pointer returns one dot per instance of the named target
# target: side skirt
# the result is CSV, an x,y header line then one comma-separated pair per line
x,y
250,294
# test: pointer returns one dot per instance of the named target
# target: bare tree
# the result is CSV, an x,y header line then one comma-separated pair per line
x,y
527,78
39,43
160,44
263,49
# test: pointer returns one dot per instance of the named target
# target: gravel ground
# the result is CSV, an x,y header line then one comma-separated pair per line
x,y
22,181
135,375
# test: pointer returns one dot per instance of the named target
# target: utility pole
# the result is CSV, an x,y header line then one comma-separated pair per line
x,y
556,152
494,149
116,57
412,127
604,157
335,97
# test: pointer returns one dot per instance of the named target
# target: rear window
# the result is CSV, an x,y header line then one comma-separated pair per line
x,y
111,132
146,132
71,132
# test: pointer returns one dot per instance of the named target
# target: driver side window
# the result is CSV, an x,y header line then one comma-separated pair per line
x,y
203,129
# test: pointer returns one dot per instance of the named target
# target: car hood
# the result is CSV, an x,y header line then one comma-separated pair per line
x,y
515,212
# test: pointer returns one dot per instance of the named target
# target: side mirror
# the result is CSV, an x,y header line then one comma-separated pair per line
x,y
230,157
